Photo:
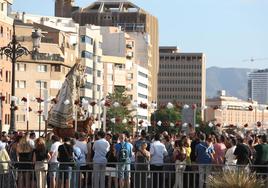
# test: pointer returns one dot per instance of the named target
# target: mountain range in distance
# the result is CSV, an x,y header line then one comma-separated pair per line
x,y
233,80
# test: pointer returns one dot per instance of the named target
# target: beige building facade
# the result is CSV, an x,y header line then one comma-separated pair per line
x,y
182,77
233,111
6,31
123,67
41,75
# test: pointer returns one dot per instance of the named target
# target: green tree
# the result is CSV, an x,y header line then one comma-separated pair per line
x,y
166,116
120,112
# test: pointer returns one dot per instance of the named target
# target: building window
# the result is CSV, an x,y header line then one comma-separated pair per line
x,y
86,54
20,67
89,70
20,84
57,68
41,84
6,76
110,77
99,73
98,87
100,45
20,117
6,118
142,96
119,66
129,76
1,31
86,39
143,74
99,59
42,68
10,35
142,85
88,85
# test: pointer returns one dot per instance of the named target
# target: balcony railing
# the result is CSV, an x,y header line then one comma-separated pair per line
x,y
48,57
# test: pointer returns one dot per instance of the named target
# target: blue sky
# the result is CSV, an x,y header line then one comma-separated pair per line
x,y
227,31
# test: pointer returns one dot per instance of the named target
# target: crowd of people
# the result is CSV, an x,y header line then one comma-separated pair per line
x,y
122,160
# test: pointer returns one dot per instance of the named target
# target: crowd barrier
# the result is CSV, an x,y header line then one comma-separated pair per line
x,y
142,175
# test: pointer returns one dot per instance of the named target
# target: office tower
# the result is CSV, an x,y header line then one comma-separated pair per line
x,y
182,77
258,86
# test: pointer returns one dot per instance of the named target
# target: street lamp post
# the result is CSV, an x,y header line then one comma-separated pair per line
x,y
14,50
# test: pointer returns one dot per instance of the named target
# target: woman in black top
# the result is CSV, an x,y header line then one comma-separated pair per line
x,y
66,159
40,157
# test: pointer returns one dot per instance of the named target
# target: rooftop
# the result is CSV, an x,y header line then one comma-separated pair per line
x,y
261,70
168,49
113,6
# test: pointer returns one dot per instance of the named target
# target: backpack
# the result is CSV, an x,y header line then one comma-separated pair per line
x,y
123,153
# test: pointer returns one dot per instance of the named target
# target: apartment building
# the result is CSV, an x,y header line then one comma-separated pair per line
x,y
123,67
182,77
5,66
41,75
130,17
90,53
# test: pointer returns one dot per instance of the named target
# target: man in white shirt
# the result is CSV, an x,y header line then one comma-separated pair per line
x,y
158,151
100,148
230,158
53,162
